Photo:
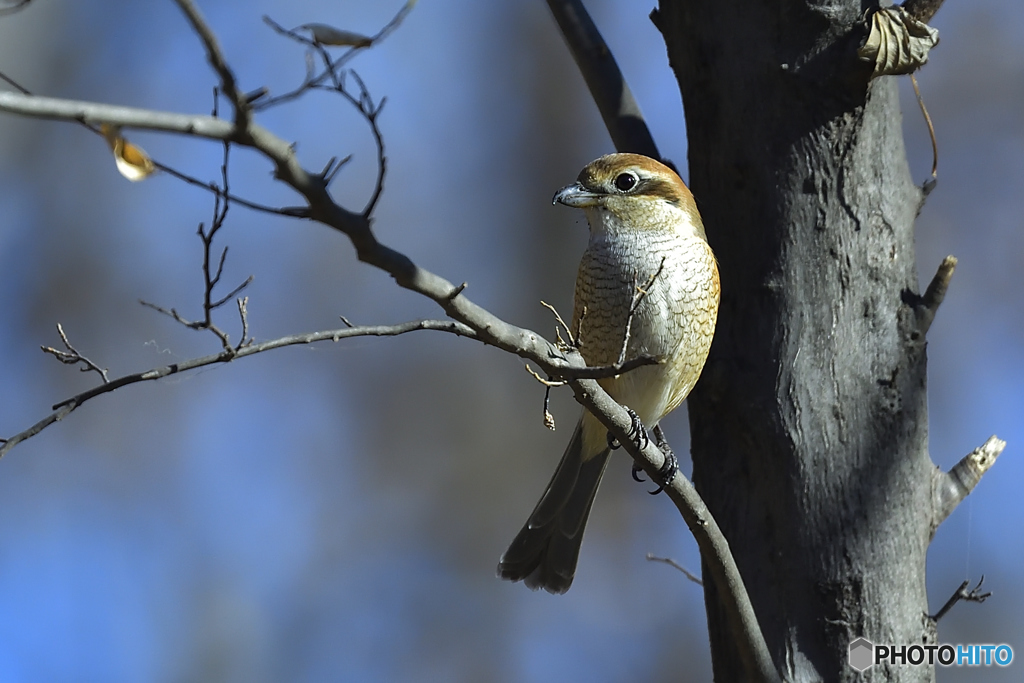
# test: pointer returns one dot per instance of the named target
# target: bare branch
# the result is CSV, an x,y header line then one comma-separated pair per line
x,y
211,276
65,407
332,68
255,206
961,593
127,117
602,371
567,373
382,160
950,488
232,294
608,87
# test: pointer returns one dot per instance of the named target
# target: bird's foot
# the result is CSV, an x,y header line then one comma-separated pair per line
x,y
666,473
637,432
668,469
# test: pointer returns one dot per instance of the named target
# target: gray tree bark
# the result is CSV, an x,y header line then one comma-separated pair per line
x,y
810,422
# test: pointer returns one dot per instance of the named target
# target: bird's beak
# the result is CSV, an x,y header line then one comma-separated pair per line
x,y
575,195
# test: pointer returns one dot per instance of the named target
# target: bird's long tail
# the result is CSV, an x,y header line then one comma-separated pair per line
x,y
545,551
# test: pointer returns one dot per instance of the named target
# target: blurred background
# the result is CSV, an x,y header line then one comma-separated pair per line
x,y
336,512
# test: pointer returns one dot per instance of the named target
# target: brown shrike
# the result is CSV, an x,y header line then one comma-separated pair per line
x,y
648,282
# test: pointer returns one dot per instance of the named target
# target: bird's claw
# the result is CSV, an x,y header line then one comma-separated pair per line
x,y
637,433
666,473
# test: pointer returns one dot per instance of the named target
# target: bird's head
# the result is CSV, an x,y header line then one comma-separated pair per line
x,y
632,191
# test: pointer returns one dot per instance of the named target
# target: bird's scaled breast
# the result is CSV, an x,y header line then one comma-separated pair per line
x,y
670,284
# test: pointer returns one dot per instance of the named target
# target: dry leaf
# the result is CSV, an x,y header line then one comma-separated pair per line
x,y
898,43
132,161
328,35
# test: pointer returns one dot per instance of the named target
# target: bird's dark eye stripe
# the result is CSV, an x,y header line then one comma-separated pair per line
x,y
657,188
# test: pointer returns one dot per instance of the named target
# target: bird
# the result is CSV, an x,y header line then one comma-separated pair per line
x,y
647,284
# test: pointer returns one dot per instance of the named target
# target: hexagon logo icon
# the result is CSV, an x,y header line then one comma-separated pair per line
x,y
861,654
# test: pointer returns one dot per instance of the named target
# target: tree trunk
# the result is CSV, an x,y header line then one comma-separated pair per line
x,y
810,422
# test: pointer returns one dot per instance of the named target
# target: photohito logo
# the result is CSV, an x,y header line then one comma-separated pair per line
x,y
864,654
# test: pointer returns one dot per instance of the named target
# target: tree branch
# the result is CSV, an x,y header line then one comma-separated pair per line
x,y
127,117
950,488
608,87
65,407
331,67
489,328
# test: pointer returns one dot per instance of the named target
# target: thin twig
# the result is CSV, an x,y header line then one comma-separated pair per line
x,y
212,276
672,563
364,104
639,292
332,69
546,382
931,132
216,58
549,419
72,356
14,84
549,384
243,314
573,341
301,212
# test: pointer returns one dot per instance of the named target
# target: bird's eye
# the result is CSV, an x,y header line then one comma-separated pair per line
x,y
625,182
